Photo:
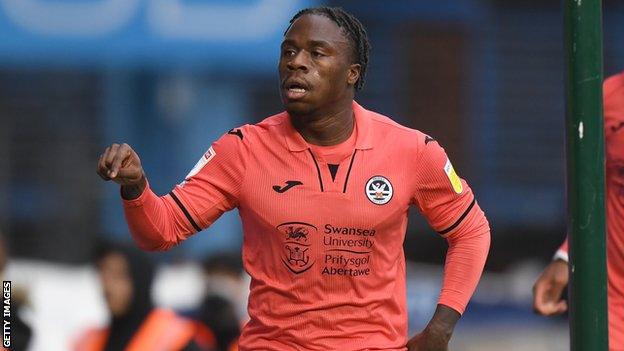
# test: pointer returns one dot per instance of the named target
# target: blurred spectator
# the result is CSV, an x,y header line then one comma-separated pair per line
x,y
216,317
223,309
226,278
126,276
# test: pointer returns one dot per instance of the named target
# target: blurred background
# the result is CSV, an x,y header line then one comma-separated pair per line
x,y
484,77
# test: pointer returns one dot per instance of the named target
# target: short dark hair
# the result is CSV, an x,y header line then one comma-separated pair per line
x,y
353,29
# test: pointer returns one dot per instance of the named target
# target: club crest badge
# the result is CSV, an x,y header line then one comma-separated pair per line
x,y
297,253
379,190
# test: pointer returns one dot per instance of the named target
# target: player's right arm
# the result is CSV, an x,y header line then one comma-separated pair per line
x,y
210,189
549,287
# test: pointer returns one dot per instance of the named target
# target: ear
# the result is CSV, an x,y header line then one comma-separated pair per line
x,y
354,73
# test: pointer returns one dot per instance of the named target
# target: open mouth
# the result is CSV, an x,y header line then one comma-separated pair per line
x,y
295,89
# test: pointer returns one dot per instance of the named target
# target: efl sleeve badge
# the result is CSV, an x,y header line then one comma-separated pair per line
x,y
201,163
453,177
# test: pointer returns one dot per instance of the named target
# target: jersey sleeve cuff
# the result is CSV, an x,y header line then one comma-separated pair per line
x,y
455,305
561,255
139,201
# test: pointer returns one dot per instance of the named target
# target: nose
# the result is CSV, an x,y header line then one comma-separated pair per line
x,y
299,62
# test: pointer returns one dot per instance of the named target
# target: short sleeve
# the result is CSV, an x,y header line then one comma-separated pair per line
x,y
442,197
213,185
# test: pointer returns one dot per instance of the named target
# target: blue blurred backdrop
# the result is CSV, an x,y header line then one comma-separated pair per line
x,y
169,76
484,77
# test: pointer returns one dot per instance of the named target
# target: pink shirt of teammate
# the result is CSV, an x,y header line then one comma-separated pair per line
x,y
325,254
613,92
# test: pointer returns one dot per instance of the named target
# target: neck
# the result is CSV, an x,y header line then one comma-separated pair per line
x,y
328,129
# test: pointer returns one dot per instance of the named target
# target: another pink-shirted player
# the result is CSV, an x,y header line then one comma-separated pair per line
x,y
550,285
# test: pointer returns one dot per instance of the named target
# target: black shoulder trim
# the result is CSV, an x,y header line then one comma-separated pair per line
x,y
236,132
461,218
185,211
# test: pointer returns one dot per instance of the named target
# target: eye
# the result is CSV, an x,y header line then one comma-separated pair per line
x,y
288,52
317,54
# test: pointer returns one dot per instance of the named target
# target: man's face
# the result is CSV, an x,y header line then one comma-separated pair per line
x,y
315,66
116,283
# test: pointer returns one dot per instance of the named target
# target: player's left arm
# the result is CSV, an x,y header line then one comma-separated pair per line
x,y
450,207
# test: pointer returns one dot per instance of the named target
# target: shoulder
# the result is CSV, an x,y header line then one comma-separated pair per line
x,y
237,144
272,121
179,330
250,133
165,319
406,138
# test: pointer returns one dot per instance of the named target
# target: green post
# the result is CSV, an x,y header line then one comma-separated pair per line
x,y
586,176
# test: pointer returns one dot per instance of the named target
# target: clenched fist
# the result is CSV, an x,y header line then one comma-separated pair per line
x,y
122,165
